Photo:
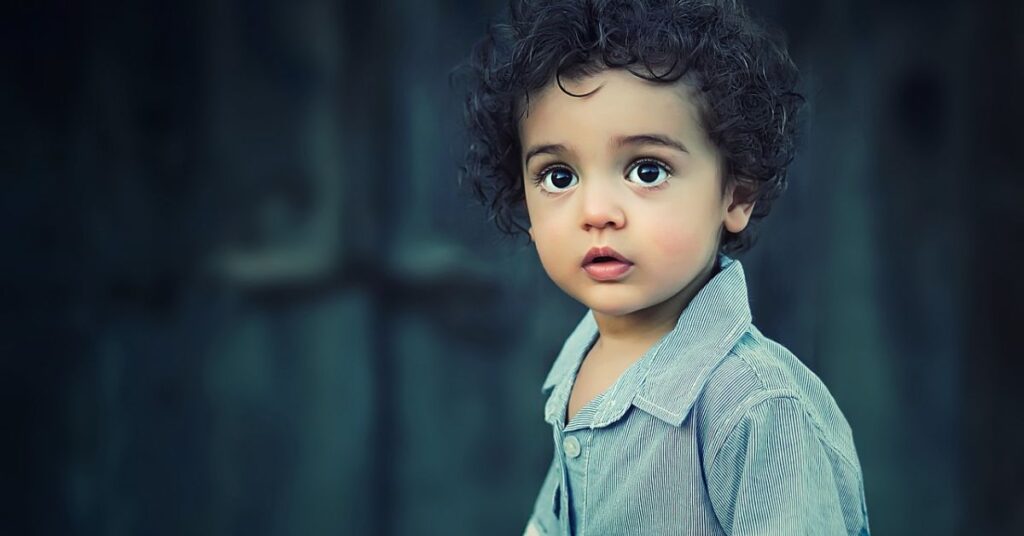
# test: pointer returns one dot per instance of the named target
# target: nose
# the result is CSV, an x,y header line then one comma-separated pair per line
x,y
601,206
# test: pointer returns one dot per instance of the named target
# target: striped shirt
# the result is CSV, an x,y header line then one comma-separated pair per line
x,y
716,429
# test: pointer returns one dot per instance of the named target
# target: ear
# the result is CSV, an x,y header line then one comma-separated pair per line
x,y
530,231
737,212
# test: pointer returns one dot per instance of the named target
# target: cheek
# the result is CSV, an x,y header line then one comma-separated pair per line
x,y
683,233
677,245
551,243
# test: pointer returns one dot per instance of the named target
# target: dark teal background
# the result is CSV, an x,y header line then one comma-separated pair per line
x,y
244,295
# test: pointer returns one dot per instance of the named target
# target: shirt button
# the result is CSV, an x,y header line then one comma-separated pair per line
x,y
571,446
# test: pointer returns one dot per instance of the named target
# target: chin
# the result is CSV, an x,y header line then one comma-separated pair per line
x,y
611,306
614,312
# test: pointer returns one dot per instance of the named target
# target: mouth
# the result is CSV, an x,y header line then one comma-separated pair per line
x,y
606,264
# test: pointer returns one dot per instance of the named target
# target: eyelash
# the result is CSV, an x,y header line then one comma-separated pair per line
x,y
539,177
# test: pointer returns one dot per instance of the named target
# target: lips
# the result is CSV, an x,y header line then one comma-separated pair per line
x,y
606,264
603,254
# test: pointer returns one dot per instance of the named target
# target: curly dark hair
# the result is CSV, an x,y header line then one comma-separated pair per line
x,y
744,79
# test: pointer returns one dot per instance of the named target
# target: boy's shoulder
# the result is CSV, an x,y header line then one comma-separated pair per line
x,y
758,370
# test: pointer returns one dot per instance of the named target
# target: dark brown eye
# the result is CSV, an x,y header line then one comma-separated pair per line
x,y
561,179
557,179
649,173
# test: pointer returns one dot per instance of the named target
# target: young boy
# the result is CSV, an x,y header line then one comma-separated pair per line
x,y
644,138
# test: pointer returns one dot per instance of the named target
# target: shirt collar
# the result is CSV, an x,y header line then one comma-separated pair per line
x,y
674,370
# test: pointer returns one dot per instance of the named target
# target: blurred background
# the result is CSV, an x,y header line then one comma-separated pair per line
x,y
244,294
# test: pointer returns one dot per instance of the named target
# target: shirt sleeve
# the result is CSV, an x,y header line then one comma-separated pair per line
x,y
774,475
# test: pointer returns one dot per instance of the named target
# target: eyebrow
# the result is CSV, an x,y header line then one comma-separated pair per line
x,y
620,141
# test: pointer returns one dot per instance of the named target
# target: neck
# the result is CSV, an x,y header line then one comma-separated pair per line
x,y
645,327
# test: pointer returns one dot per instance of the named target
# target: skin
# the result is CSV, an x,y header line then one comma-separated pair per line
x,y
670,232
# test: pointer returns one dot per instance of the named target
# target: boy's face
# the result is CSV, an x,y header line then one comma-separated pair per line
x,y
659,206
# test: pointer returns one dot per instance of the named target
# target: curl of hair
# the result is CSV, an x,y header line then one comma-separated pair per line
x,y
743,80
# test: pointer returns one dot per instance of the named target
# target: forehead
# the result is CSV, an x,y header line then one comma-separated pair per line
x,y
617,103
